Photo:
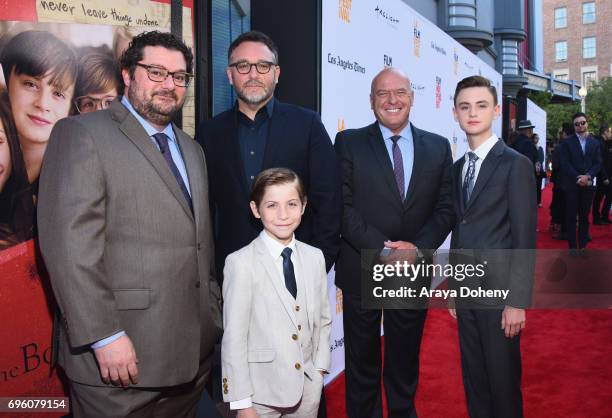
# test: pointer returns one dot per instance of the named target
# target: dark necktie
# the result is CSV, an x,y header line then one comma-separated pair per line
x,y
398,166
162,141
288,272
468,181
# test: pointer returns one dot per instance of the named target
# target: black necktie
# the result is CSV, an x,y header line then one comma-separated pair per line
x,y
398,166
288,272
468,181
162,141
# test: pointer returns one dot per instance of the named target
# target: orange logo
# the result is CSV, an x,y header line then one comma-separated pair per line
x,y
338,301
417,39
344,10
340,125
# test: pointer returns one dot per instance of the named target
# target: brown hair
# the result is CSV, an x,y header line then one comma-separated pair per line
x,y
98,73
275,177
476,81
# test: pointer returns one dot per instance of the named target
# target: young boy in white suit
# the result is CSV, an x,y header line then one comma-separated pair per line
x,y
276,314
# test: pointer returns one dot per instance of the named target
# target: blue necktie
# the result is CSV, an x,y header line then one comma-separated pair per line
x,y
398,166
288,272
468,181
162,140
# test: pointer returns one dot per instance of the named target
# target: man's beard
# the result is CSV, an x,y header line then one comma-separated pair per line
x,y
158,114
254,99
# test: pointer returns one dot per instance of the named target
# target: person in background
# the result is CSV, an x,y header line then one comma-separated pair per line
x,y
273,288
557,206
601,214
580,161
540,170
98,82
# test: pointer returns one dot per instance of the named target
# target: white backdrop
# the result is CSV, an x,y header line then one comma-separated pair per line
x,y
359,38
537,116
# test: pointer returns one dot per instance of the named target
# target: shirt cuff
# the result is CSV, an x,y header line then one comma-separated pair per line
x,y
241,404
107,340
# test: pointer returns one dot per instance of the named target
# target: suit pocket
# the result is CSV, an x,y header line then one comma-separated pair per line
x,y
126,299
261,356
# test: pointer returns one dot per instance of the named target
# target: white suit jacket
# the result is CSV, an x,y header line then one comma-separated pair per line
x,y
259,356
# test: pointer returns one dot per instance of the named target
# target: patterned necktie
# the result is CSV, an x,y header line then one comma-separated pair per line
x,y
468,181
288,272
162,140
398,166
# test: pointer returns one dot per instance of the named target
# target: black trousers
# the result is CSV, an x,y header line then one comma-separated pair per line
x,y
578,202
363,360
557,207
604,193
490,364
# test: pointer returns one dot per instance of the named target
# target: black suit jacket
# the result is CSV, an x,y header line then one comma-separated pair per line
x,y
574,162
373,209
297,140
500,216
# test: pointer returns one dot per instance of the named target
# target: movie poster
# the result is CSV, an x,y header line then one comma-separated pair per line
x,y
57,58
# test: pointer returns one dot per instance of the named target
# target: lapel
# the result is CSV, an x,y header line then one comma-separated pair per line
x,y
194,177
380,152
276,134
304,268
487,168
130,126
272,276
577,148
458,186
232,152
417,164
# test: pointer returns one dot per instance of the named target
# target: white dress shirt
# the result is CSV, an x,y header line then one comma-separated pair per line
x,y
481,152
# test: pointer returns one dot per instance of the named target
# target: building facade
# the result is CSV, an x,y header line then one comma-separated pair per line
x,y
577,38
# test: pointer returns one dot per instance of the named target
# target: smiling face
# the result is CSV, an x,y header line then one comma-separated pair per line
x,y
391,98
475,111
157,102
280,211
253,88
5,158
37,105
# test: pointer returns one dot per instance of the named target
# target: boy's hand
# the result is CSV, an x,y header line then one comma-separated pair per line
x,y
513,321
247,413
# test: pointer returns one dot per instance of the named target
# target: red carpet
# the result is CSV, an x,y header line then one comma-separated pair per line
x,y
567,356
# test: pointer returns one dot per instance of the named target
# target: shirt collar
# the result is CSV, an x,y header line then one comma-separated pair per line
x,y
274,247
405,133
268,108
145,124
483,149
582,137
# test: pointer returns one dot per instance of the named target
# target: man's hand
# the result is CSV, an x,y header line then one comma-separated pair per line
x,y
400,251
117,362
583,180
606,182
513,321
451,308
247,413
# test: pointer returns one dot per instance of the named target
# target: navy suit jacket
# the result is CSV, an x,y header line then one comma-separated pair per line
x,y
573,162
297,140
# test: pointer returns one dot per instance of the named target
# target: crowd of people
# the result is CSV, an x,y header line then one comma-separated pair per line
x,y
156,246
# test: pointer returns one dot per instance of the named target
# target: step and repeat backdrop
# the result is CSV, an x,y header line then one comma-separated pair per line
x,y
360,38
79,42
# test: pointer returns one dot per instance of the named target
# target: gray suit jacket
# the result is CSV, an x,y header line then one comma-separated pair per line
x,y
258,353
123,249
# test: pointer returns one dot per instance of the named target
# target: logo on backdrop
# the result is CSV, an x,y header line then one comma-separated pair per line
x,y
338,301
438,92
344,10
345,64
454,144
384,14
341,124
388,61
468,65
417,88
455,62
438,48
417,38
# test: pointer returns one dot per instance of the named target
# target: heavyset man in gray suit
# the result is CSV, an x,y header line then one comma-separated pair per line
x,y
125,233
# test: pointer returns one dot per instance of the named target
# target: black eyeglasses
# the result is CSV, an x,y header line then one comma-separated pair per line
x,y
159,75
243,67
581,123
